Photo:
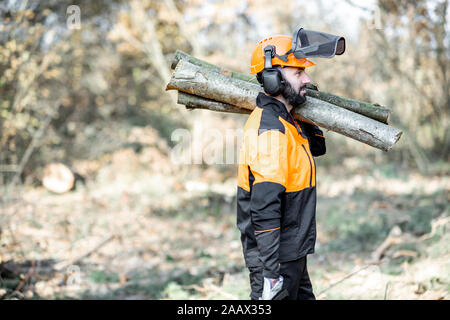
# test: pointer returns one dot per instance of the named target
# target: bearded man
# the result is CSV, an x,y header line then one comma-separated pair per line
x,y
276,193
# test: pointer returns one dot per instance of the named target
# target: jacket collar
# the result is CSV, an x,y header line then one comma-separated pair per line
x,y
267,102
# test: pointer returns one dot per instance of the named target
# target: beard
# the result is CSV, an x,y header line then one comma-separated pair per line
x,y
295,99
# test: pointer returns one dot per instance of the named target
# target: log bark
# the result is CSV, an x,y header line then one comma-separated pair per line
x,y
339,116
180,55
205,83
373,111
196,102
209,84
350,124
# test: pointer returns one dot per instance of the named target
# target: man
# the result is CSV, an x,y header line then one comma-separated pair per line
x,y
276,196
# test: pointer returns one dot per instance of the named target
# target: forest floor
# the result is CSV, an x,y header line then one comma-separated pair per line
x,y
140,231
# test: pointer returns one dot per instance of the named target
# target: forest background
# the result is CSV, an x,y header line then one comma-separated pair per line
x,y
83,83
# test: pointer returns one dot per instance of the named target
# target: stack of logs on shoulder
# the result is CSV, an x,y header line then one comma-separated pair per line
x,y
206,86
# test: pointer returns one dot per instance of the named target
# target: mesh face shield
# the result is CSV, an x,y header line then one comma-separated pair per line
x,y
308,43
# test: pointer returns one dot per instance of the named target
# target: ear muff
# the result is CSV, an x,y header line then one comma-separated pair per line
x,y
271,78
272,81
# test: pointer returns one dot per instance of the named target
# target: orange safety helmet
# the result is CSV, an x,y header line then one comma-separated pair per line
x,y
282,45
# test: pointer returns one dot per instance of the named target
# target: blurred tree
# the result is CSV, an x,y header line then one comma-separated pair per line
x,y
30,64
400,59
114,69
413,45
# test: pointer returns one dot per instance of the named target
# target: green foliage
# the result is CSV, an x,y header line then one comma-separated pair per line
x,y
352,230
174,291
422,211
439,245
360,229
102,276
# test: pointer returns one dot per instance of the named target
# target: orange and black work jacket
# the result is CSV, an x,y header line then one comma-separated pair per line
x,y
276,194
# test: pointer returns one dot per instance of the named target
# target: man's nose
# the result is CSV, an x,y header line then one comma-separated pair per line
x,y
306,78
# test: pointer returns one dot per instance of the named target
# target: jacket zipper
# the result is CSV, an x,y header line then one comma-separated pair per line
x,y
310,166
296,126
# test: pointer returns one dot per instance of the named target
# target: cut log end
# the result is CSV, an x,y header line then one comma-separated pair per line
x,y
58,178
396,138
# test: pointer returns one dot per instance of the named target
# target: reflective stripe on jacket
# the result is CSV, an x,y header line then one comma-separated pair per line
x,y
276,194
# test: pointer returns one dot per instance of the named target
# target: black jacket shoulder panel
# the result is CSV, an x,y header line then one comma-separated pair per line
x,y
315,138
270,121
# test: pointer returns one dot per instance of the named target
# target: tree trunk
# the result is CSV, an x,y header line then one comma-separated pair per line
x,y
373,111
196,80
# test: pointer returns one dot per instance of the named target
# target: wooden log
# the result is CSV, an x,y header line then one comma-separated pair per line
x,y
373,111
196,80
350,124
196,102
180,55
192,102
205,83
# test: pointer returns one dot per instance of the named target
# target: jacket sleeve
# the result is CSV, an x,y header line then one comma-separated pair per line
x,y
316,138
268,164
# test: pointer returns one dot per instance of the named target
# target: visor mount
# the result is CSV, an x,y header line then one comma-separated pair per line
x,y
269,53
